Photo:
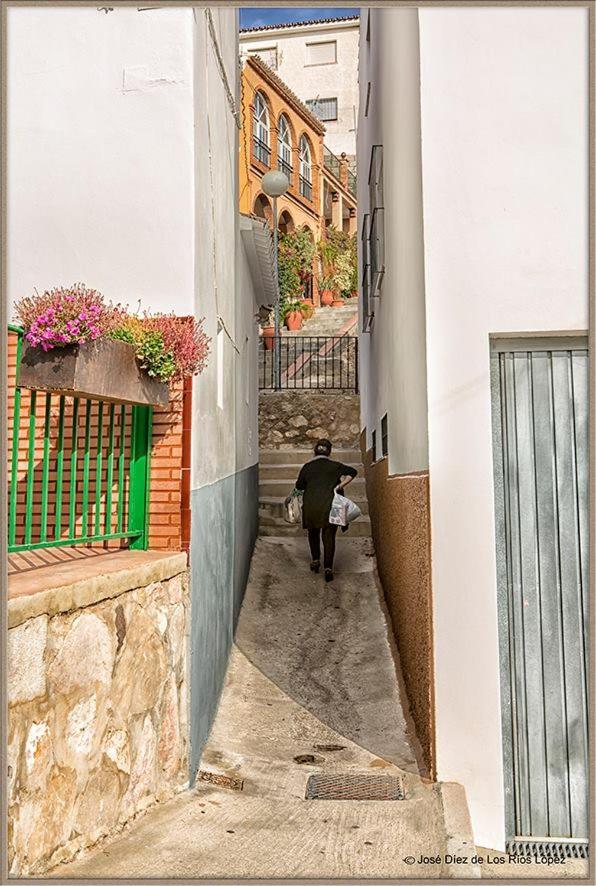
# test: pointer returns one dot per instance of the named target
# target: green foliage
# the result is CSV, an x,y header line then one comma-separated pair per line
x,y
150,350
289,307
338,252
295,254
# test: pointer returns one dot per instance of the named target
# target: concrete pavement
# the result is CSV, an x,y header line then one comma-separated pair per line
x,y
311,678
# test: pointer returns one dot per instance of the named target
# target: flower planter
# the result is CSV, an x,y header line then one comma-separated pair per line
x,y
354,293
293,320
337,303
326,298
102,370
268,335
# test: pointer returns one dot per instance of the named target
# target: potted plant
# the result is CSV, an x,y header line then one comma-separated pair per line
x,y
268,333
337,302
77,344
292,315
326,290
307,308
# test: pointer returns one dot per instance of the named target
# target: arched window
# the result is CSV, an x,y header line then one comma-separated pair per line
x,y
284,146
305,168
260,130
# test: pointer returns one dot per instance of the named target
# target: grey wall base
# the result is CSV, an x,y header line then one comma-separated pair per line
x,y
224,531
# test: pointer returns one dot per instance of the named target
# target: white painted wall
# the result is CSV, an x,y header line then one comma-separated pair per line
x,y
505,166
324,81
393,355
100,153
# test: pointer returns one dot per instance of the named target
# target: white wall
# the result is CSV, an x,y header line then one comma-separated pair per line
x,y
504,138
319,81
393,355
100,153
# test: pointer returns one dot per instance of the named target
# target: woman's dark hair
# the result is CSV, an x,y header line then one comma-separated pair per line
x,y
323,447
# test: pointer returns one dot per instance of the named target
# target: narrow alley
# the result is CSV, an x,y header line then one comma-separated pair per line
x,y
311,690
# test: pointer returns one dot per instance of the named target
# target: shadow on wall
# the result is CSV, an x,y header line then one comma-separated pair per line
x,y
224,529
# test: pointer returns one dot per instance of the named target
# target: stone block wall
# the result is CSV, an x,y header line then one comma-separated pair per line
x,y
97,719
296,419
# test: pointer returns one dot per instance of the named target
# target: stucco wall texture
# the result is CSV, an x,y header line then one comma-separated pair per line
x,y
399,513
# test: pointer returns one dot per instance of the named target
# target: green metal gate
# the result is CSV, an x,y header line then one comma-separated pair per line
x,y
540,412
79,469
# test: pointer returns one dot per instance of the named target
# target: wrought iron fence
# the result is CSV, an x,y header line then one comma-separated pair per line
x,y
79,468
310,362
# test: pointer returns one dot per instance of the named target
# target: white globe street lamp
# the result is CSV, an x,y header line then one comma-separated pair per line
x,y
274,184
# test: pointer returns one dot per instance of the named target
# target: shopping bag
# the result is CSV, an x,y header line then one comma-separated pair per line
x,y
343,510
293,507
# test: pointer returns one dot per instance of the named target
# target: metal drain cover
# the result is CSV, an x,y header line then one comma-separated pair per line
x,y
355,787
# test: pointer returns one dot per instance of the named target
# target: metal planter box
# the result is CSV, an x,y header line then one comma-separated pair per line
x,y
101,370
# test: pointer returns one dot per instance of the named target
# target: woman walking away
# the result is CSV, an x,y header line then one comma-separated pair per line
x,y
319,479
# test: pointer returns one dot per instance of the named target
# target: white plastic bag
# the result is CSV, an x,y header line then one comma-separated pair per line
x,y
343,510
293,507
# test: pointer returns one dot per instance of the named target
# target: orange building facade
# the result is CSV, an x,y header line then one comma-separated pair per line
x,y
279,132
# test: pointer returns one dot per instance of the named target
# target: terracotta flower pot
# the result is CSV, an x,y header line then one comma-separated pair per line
x,y
326,297
268,334
293,320
354,293
337,303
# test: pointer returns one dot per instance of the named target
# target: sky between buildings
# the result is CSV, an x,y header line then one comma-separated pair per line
x,y
257,16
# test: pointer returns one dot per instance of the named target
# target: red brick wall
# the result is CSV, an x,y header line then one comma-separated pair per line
x,y
169,524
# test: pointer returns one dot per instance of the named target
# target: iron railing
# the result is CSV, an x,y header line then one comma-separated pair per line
x,y
261,150
79,468
310,362
352,182
331,162
285,167
305,188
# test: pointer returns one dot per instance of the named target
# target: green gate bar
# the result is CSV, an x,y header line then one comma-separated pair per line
x,y
127,468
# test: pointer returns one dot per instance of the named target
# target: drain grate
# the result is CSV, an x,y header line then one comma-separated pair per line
x,y
355,787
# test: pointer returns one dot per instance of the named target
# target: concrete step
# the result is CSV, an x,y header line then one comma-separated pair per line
x,y
281,488
297,456
275,506
289,471
360,528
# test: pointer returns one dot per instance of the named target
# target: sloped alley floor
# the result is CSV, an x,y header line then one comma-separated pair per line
x,y
312,668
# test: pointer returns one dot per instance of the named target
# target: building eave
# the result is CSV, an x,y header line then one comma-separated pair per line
x,y
258,244
323,24
257,64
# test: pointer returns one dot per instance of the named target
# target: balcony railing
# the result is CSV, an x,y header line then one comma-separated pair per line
x,y
79,468
261,150
331,162
310,362
285,167
305,188
352,183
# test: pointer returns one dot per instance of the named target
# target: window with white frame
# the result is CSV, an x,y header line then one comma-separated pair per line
x,y
305,168
377,220
284,146
261,134
268,54
321,53
323,108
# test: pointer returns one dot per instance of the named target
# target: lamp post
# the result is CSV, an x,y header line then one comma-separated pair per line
x,y
274,184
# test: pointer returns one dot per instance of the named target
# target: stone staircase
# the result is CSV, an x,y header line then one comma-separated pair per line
x,y
329,321
278,470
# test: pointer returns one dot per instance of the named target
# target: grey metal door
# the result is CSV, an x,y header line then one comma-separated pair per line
x,y
540,410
